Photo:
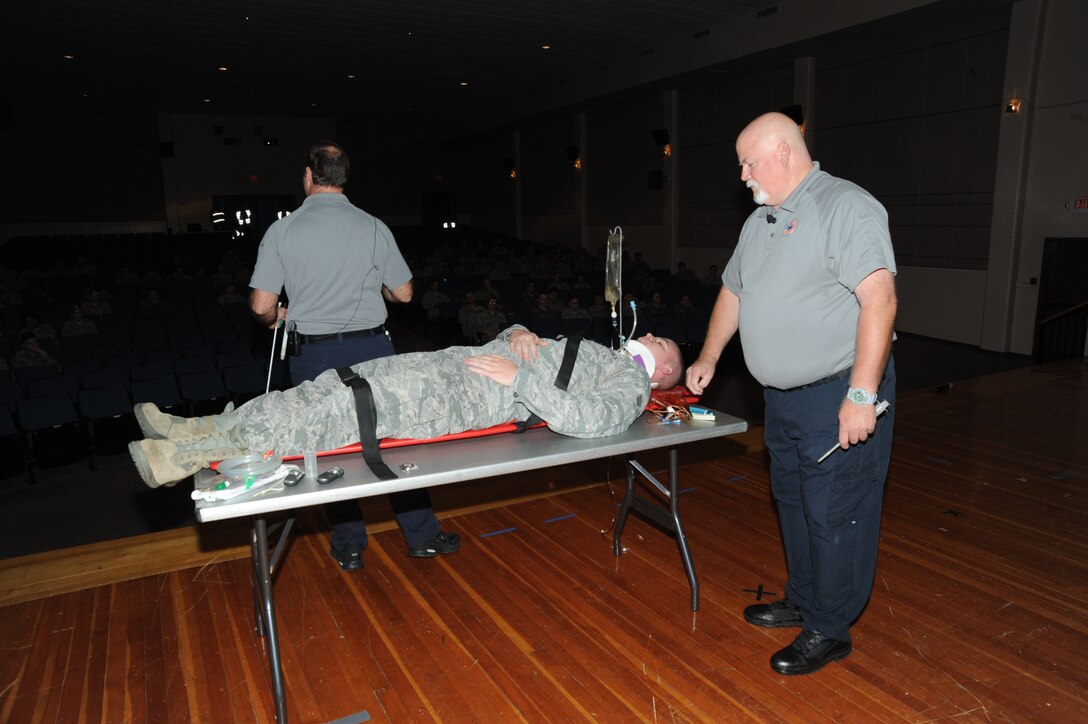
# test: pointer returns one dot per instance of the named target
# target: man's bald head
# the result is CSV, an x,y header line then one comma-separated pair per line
x,y
773,157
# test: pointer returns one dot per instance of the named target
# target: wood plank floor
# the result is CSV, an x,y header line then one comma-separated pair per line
x,y
977,614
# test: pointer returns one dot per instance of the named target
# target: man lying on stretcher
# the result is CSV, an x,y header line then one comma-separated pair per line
x,y
422,395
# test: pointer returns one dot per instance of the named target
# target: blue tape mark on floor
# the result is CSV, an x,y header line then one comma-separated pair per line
x,y
685,490
560,517
497,532
735,478
353,718
1063,475
942,461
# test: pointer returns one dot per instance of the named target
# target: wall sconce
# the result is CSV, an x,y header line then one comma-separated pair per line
x,y
508,164
661,138
574,157
1012,105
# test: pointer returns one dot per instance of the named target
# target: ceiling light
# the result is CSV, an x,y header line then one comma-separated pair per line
x,y
464,82
207,100
546,47
222,69
351,76
69,56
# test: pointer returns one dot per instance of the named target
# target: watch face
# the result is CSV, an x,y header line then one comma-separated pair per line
x,y
859,397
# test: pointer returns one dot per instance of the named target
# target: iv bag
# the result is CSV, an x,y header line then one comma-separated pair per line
x,y
612,268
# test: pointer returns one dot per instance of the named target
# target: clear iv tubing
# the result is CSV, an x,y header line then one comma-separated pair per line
x,y
613,279
634,324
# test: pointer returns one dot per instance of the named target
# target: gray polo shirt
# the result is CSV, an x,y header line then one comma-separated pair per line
x,y
796,278
333,259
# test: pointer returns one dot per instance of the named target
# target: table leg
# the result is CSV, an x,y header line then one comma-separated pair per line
x,y
267,614
625,509
667,519
681,537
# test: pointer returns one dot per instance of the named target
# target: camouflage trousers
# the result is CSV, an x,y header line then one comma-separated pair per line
x,y
419,395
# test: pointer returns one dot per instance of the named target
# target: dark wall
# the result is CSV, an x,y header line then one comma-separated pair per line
x,y
915,121
79,166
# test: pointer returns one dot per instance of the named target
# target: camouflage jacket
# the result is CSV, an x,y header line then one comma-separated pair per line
x,y
427,394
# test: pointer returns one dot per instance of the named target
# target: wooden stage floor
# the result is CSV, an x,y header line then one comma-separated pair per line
x,y
977,613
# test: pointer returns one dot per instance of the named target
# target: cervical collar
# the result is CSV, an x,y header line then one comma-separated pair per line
x,y
641,355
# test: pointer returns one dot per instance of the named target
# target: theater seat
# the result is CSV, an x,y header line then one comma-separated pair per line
x,y
53,432
108,412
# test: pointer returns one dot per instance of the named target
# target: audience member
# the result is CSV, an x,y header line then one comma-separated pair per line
x,y
558,283
600,308
126,277
78,324
529,295
683,274
492,320
153,301
469,317
487,291
543,309
230,296
221,277
684,306
31,354
656,305
94,305
555,303
712,278
574,310
44,332
432,299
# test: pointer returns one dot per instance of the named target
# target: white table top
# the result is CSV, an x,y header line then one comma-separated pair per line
x,y
460,460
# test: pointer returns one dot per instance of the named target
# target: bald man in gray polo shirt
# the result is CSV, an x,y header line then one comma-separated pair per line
x,y
811,289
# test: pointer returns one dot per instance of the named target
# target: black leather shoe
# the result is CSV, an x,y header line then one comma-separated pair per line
x,y
779,614
350,558
444,542
809,652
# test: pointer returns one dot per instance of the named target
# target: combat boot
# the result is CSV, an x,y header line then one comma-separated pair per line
x,y
165,462
158,425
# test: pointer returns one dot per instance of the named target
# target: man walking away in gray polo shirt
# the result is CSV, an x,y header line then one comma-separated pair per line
x,y
337,264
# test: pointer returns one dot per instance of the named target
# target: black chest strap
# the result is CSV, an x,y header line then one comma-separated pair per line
x,y
562,380
368,422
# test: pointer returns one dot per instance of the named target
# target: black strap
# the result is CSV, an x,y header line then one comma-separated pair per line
x,y
562,380
368,422
570,354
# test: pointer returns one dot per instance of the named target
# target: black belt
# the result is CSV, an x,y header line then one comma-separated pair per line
x,y
340,336
840,375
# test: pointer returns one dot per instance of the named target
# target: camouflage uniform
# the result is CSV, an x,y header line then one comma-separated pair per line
x,y
428,394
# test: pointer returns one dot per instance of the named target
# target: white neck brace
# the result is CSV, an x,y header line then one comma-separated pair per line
x,y
641,355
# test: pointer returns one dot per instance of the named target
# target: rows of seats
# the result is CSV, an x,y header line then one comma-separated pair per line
x,y
51,416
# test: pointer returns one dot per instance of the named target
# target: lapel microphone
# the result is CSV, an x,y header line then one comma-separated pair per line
x,y
771,219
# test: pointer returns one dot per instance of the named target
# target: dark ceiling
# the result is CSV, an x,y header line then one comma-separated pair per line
x,y
290,57
455,64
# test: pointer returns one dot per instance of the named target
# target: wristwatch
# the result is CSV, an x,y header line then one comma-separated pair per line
x,y
860,396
